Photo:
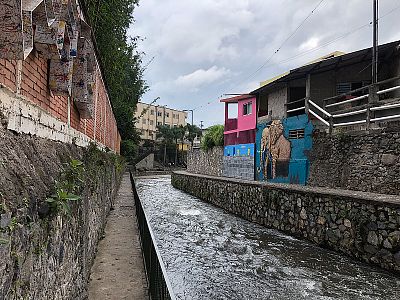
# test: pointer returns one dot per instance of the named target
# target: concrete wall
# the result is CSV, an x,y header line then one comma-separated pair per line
x,y
146,163
47,255
364,226
363,161
276,103
238,167
206,162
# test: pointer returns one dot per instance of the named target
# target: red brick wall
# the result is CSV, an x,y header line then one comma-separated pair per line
x,y
33,87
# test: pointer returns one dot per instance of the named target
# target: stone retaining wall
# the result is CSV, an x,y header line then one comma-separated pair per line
x,y
206,162
238,167
364,160
43,254
362,225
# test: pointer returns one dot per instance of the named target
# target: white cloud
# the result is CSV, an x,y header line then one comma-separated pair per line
x,y
236,37
309,44
202,77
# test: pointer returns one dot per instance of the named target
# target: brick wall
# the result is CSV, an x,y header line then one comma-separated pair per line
x,y
31,76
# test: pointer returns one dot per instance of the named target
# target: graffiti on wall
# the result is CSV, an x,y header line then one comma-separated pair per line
x,y
281,150
275,151
239,150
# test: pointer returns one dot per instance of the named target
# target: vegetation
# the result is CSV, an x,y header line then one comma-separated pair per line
x,y
192,131
214,136
67,187
120,61
177,135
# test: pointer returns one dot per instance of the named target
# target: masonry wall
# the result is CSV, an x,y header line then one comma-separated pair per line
x,y
28,80
362,225
46,255
238,167
276,103
206,162
363,160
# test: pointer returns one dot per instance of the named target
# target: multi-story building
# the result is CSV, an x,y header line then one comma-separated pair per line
x,y
150,116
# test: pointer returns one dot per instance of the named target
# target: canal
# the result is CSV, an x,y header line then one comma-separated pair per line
x,y
210,254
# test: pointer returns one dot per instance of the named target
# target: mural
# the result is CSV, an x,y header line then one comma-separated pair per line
x,y
275,151
239,150
281,150
56,29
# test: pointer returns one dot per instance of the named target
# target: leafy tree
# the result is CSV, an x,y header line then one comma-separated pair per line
x,y
179,135
214,136
192,131
120,61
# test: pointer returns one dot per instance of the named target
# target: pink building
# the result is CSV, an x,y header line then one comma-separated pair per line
x,y
240,120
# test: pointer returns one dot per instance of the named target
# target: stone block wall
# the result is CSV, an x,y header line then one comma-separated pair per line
x,y
238,167
45,255
206,162
365,226
362,161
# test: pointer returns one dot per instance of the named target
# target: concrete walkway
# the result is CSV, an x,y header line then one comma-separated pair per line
x,y
118,271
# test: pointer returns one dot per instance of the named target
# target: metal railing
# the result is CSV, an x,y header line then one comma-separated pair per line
x,y
159,286
369,109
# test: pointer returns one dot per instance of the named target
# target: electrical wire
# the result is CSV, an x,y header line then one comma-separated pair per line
x,y
309,51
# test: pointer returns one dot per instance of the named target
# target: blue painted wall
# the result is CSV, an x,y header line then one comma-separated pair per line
x,y
298,164
239,150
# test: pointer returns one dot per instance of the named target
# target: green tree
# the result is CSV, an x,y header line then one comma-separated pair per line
x,y
192,131
120,61
179,135
214,136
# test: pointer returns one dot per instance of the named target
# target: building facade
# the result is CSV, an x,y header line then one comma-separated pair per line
x,y
150,116
272,130
51,84
239,136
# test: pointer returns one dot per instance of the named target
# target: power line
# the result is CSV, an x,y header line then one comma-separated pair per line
x,y
285,41
280,47
313,49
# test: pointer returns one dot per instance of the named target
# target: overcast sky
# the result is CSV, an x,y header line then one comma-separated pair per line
x,y
205,48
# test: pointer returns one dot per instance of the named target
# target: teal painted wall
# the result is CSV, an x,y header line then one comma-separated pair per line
x,y
293,170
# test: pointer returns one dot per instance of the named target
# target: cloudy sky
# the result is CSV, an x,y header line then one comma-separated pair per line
x,y
205,48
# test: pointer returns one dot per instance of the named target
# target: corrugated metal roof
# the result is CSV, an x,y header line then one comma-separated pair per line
x,y
329,64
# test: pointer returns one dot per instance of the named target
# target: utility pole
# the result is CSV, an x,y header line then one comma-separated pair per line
x,y
191,110
375,43
201,129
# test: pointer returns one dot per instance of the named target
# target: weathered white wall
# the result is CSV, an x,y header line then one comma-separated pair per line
x,y
22,116
276,103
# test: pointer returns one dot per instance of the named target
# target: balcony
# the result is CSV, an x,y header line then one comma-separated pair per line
x,y
231,124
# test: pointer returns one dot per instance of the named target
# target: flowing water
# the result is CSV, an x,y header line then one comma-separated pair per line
x,y
210,254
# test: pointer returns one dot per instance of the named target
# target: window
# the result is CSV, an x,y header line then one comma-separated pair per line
x,y
247,109
167,114
151,122
152,112
144,121
296,134
177,116
159,114
159,123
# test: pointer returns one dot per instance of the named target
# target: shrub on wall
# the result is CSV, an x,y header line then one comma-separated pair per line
x,y
214,136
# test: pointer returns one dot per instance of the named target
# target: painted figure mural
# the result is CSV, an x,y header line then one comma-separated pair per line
x,y
275,151
281,150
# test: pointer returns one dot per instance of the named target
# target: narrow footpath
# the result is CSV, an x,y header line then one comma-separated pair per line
x,y
118,271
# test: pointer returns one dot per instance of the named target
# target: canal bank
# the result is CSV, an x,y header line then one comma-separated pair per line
x,y
365,226
211,254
